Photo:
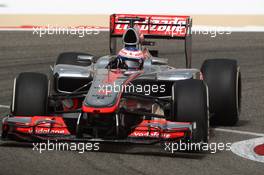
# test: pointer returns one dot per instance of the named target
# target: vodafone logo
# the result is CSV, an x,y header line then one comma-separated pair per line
x,y
47,131
149,134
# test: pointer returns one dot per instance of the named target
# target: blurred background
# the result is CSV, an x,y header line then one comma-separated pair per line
x,y
15,13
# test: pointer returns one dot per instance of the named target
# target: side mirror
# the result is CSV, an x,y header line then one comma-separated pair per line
x,y
85,59
159,61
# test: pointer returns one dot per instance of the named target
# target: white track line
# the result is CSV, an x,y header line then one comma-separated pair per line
x,y
240,132
5,106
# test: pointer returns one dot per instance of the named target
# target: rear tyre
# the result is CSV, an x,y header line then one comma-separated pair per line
x,y
30,94
190,105
71,58
224,83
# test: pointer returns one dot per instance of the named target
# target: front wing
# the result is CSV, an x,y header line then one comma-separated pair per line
x,y
53,128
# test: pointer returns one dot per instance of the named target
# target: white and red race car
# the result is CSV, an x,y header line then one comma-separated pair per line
x,y
78,101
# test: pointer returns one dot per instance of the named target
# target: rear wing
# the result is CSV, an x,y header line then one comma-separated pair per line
x,y
155,27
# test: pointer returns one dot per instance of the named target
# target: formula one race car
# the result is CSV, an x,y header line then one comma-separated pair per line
x,y
130,96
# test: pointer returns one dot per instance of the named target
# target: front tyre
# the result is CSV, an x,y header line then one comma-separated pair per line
x,y
30,94
190,105
223,78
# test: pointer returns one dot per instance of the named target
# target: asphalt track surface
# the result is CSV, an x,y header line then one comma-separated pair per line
x,y
22,51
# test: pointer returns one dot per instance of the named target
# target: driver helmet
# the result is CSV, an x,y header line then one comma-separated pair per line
x,y
131,58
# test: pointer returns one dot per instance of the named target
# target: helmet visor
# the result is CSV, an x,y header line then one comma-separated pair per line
x,y
131,63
